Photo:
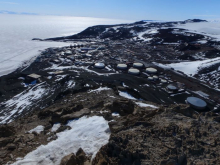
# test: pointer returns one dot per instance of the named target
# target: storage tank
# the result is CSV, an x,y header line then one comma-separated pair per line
x,y
151,70
99,65
196,103
134,71
122,66
138,65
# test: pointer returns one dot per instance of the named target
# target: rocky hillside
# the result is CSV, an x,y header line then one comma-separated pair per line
x,y
127,31
140,133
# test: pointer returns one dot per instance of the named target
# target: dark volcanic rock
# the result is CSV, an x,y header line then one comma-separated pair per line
x,y
81,156
63,128
75,115
69,160
79,159
122,106
11,146
6,131
5,141
169,138
59,111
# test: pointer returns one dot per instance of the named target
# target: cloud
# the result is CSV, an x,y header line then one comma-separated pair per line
x,y
10,3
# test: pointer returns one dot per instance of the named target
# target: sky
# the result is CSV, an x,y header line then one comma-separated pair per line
x,y
119,9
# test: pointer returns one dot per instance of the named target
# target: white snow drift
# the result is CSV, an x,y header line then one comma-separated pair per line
x,y
90,134
37,129
192,68
140,104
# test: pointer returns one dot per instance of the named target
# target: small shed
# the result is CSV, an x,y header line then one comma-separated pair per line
x,y
32,78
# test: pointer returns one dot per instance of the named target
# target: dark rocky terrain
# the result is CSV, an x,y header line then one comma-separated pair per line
x,y
164,131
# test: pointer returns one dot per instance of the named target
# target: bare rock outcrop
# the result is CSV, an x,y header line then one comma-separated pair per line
x,y
79,159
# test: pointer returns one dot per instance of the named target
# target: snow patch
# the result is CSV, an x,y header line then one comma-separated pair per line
x,y
126,95
38,129
23,100
145,105
192,68
71,84
162,66
98,90
55,127
90,134
115,114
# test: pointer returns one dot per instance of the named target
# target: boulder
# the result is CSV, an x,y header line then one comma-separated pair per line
x,y
3,154
81,156
79,159
5,141
182,160
75,115
11,146
6,131
63,128
59,111
217,119
28,137
123,107
186,111
69,160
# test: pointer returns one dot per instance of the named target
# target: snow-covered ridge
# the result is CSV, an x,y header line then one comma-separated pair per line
x,y
211,29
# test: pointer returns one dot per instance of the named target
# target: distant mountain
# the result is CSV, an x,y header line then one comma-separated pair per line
x,y
194,20
146,30
20,13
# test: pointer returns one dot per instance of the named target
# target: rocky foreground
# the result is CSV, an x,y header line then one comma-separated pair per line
x,y
169,135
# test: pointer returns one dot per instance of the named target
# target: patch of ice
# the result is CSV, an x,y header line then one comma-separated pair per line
x,y
90,134
55,127
99,89
38,129
140,104
126,95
